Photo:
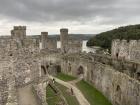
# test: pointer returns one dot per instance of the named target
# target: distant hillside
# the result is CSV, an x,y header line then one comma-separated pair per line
x,y
57,37
74,36
104,39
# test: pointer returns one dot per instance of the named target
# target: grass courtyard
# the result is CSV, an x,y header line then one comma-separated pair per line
x,y
92,95
52,98
65,77
71,100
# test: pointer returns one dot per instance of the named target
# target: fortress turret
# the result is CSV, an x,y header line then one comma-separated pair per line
x,y
64,40
44,37
19,32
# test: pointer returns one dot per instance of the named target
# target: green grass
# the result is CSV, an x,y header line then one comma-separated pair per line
x,y
65,77
52,97
71,100
92,94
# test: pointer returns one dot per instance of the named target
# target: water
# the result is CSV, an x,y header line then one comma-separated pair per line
x,y
84,47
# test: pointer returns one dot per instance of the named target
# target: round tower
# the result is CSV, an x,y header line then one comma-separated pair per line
x,y
64,40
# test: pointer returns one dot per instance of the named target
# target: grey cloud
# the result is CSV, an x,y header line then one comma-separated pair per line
x,y
70,10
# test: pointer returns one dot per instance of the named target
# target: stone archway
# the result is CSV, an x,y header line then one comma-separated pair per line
x,y
117,55
69,67
80,71
43,70
118,95
58,68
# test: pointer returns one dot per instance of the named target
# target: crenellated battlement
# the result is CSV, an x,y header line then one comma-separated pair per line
x,y
124,49
64,30
18,32
19,27
44,33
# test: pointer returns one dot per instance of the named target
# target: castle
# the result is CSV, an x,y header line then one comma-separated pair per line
x,y
29,60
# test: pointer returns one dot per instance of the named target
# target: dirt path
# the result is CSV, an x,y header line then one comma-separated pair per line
x,y
75,81
26,96
80,97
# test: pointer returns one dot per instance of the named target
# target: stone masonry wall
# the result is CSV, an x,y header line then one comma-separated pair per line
x,y
126,50
118,87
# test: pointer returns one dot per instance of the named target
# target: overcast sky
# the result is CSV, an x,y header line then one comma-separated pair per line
x,y
80,16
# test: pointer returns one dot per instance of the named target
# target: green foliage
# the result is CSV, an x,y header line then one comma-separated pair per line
x,y
92,94
104,39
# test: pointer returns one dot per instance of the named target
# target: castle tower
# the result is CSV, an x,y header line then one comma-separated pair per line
x,y
19,32
44,37
64,40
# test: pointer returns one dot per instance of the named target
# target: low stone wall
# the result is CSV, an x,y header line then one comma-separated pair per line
x,y
130,68
3,92
39,93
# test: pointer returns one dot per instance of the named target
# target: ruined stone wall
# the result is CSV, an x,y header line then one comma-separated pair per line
x,y
69,45
48,43
22,62
130,68
19,64
4,82
118,87
51,44
126,50
50,60
19,32
74,46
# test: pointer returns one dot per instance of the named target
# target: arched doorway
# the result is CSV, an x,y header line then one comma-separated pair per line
x,y
80,71
69,67
117,55
43,70
58,68
118,95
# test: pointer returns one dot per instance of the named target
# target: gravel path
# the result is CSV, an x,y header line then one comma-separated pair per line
x,y
80,97
26,96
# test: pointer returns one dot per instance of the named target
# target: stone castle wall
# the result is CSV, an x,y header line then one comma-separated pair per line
x,y
67,45
126,50
118,87
22,62
19,63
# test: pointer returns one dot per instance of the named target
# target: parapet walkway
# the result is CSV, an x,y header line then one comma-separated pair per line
x,y
26,96
80,97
